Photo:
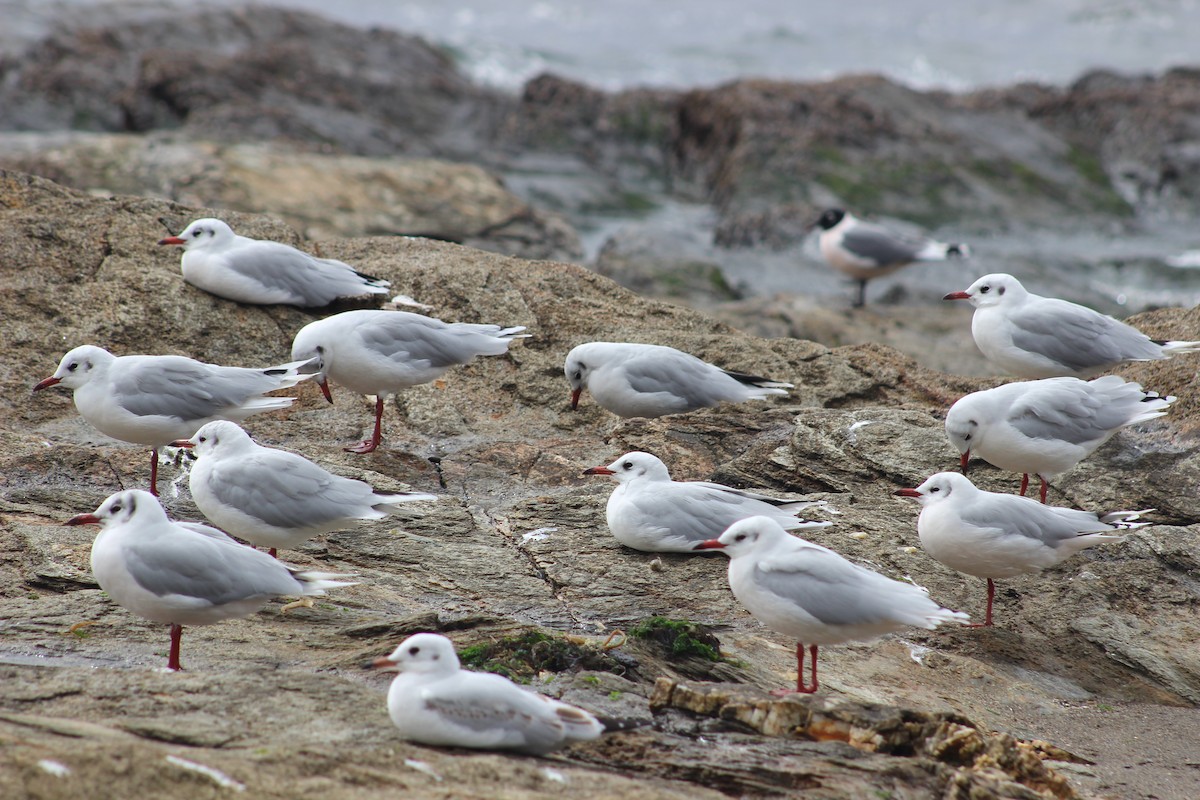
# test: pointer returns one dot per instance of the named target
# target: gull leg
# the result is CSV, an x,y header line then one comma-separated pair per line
x,y
1045,487
861,300
987,619
1024,482
154,471
271,553
303,602
801,687
369,445
173,657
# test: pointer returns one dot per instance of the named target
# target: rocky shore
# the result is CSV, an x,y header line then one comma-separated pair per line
x,y
1087,686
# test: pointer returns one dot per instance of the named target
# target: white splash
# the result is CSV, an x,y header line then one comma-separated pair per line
x,y
405,300
553,775
55,768
537,535
852,431
421,766
215,775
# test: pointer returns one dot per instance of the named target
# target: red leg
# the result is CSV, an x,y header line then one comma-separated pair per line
x,y
369,445
1024,483
154,472
173,658
987,619
801,688
1045,486
271,552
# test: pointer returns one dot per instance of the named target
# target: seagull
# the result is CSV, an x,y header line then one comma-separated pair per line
x,y
382,352
274,498
434,701
154,400
1031,336
811,593
649,380
262,272
650,512
865,251
991,535
182,573
1046,427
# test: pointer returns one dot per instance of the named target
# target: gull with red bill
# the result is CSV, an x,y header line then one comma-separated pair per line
x,y
154,400
182,573
383,352
991,535
1031,336
434,701
815,596
261,272
649,380
650,512
1046,427
274,498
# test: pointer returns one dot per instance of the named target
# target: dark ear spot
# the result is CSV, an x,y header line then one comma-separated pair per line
x,y
1000,290
436,657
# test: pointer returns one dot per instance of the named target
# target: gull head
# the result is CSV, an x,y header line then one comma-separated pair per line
x,y
634,466
996,289
939,488
122,508
218,437
78,367
745,536
427,653
202,234
577,368
965,427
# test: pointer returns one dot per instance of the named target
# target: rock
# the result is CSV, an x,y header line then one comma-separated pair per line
x,y
321,195
497,440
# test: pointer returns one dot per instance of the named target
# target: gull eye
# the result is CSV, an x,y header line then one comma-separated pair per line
x,y
967,438
74,365
116,508
984,289
741,537
578,375
203,439
412,651
627,465
935,489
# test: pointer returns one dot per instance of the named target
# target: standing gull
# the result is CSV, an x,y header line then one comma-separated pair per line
x,y
648,511
274,498
1046,427
154,400
434,701
1031,336
181,573
262,272
648,380
383,352
865,251
812,594
992,535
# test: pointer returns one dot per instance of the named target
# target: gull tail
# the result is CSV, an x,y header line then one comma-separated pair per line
x,y
940,251
371,284
1175,348
392,502
318,582
769,385
1126,520
293,372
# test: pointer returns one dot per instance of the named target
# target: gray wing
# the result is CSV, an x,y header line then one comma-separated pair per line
x,y
286,490
1077,337
207,568
1021,516
490,703
879,245
695,383
311,281
692,512
830,588
1070,412
408,338
174,386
